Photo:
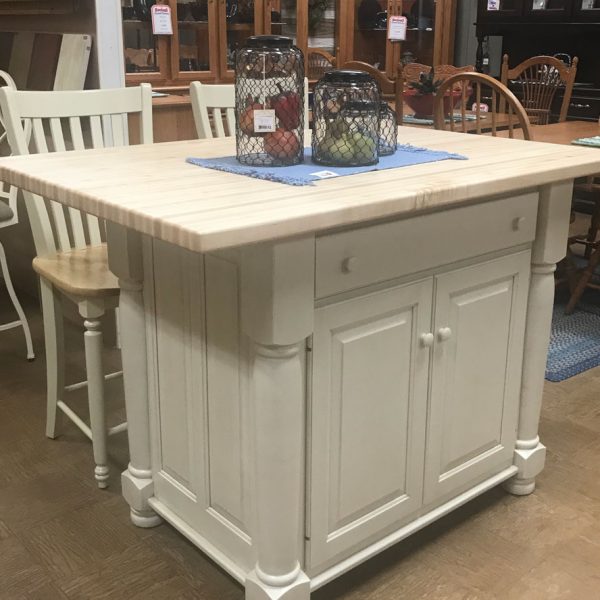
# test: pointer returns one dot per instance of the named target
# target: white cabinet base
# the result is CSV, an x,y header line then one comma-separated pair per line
x,y
293,418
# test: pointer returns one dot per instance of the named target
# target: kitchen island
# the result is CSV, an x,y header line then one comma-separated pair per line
x,y
314,373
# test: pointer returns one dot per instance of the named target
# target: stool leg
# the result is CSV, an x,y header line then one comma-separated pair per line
x,y
95,378
55,365
582,282
16,303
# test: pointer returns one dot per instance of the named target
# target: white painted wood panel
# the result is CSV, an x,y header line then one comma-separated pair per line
x,y
227,360
476,374
199,469
359,257
368,417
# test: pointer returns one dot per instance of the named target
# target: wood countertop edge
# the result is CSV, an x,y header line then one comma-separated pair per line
x,y
400,207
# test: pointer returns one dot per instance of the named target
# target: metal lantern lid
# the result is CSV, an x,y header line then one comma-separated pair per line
x,y
259,42
345,77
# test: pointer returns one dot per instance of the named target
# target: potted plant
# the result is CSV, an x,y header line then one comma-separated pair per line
x,y
420,96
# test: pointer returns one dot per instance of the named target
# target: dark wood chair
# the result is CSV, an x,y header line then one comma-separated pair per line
x,y
319,62
471,85
391,89
581,278
536,81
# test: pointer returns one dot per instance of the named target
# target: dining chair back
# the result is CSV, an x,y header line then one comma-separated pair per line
x,y
536,81
582,275
475,85
318,63
71,259
391,89
213,107
9,216
70,120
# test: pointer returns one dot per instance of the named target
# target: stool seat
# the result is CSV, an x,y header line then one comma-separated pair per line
x,y
82,272
6,212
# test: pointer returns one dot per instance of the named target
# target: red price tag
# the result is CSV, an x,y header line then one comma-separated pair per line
x,y
161,20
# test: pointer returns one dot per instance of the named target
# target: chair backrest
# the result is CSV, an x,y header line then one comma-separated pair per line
x,y
7,193
216,104
460,87
319,62
391,89
536,81
72,120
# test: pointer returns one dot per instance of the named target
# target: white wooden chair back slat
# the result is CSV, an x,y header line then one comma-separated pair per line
x,y
63,121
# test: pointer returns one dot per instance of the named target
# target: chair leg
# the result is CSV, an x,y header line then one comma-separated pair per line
x,y
16,303
55,361
95,377
582,282
593,230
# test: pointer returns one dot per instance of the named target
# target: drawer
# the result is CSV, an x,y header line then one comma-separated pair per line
x,y
359,257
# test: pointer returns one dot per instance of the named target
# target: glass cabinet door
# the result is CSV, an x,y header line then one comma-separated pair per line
x,y
370,32
196,38
587,10
420,32
238,20
141,47
548,10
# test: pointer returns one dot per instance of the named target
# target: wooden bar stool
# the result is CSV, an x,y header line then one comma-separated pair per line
x,y
71,255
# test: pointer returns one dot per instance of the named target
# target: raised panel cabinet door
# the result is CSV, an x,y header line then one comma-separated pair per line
x,y
479,320
367,422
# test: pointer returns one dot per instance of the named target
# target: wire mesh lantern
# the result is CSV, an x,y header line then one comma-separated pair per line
x,y
388,130
346,119
269,102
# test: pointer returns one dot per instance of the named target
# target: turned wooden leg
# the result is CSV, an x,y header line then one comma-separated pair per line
x,y
277,314
54,343
95,387
549,247
125,260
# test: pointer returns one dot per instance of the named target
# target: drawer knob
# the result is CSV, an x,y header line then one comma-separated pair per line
x,y
518,223
444,333
349,264
427,340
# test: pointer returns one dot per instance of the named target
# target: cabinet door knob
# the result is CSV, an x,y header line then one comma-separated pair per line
x,y
427,340
518,223
349,264
444,333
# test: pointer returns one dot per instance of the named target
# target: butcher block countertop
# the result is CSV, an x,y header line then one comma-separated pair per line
x,y
153,190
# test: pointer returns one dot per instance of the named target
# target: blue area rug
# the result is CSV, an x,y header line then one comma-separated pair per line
x,y
575,338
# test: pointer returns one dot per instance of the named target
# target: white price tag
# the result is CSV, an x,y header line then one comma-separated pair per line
x,y
161,20
264,120
324,174
397,28
493,4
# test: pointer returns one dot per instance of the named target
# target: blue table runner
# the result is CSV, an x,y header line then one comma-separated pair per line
x,y
308,172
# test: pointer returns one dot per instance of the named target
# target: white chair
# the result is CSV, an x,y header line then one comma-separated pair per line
x,y
71,257
209,101
8,217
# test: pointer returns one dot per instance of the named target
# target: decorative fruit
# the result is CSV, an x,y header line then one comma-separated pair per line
x,y
364,146
287,107
282,144
246,120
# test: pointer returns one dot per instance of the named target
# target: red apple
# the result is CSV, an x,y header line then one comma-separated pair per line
x,y
282,144
246,120
287,107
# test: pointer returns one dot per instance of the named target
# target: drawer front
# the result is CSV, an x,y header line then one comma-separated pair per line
x,y
360,257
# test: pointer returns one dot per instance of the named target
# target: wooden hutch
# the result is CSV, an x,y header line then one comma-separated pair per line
x,y
564,27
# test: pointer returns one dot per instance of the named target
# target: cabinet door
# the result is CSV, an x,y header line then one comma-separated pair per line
x,y
478,323
368,418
